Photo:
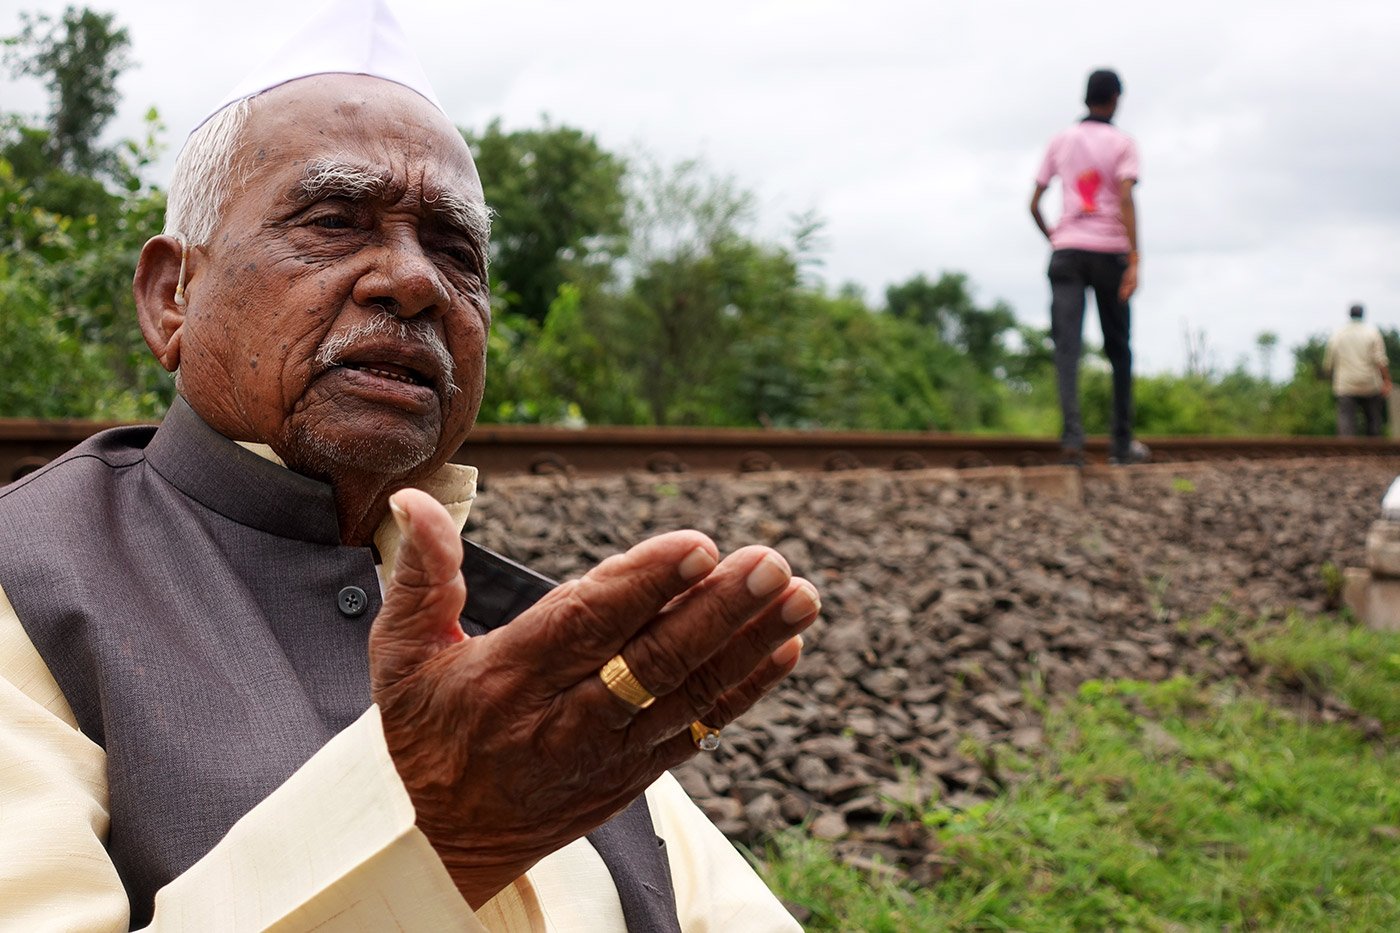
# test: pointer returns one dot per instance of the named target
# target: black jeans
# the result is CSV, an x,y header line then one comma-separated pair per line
x,y
1371,406
1071,271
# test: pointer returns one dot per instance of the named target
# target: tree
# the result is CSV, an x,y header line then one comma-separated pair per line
x,y
647,339
69,344
73,217
1267,342
687,265
560,210
79,58
1391,337
1199,359
947,307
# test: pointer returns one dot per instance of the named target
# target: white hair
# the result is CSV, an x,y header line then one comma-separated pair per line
x,y
203,181
203,178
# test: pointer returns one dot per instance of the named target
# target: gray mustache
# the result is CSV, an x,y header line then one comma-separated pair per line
x,y
410,331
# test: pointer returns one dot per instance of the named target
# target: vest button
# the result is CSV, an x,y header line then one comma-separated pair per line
x,y
352,601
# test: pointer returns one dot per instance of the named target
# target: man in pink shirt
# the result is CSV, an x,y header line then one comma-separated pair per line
x,y
1095,246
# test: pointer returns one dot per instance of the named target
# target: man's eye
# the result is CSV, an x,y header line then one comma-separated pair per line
x,y
460,255
331,222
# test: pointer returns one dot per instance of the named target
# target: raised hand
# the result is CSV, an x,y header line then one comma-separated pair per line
x,y
510,744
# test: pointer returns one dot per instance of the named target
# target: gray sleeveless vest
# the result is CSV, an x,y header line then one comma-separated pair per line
x,y
210,632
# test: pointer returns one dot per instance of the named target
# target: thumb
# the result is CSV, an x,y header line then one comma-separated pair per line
x,y
425,595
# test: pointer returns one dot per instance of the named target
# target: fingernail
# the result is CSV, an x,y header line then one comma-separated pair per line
x,y
768,577
788,652
400,516
696,564
802,604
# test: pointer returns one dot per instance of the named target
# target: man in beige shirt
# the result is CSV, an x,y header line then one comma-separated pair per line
x,y
1355,357
206,723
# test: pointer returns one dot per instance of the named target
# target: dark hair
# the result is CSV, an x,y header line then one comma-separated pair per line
x,y
1103,87
1357,311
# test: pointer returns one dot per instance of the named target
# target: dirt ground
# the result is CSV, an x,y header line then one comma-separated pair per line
x,y
946,604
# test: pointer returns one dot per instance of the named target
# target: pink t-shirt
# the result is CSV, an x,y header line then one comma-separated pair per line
x,y
1091,159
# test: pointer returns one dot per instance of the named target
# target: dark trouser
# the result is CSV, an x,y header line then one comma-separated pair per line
x,y
1370,405
1071,271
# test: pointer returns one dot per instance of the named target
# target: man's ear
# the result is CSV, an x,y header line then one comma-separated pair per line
x,y
160,302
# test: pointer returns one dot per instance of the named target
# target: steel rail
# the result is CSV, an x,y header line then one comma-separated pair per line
x,y
26,444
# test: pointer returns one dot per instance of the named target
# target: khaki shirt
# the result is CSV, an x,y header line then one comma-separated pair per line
x,y
334,848
1354,357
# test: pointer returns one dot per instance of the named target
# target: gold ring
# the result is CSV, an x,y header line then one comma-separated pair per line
x,y
706,738
620,682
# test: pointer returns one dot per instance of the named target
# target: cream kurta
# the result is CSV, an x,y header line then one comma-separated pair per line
x,y
334,848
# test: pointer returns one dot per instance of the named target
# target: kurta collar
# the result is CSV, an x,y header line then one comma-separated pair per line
x,y
454,485
247,483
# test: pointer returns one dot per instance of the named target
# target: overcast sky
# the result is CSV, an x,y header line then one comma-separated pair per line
x,y
1269,132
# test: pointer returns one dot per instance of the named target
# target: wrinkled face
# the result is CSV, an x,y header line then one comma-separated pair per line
x,y
339,312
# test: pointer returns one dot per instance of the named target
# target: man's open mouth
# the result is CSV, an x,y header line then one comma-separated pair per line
x,y
392,371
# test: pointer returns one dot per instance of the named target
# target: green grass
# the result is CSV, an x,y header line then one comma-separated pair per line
x,y
1334,656
1164,807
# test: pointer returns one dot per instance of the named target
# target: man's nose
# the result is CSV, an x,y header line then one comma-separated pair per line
x,y
404,281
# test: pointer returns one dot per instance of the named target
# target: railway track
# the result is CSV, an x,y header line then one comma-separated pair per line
x,y
25,445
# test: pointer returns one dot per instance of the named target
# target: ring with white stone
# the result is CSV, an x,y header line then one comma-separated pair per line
x,y
706,738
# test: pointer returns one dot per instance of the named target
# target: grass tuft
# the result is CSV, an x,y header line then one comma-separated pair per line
x,y
1331,655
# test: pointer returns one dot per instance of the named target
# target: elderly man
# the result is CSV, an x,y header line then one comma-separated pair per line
x,y
209,717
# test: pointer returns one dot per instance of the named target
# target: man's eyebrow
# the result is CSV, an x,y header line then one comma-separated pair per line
x,y
334,178
469,217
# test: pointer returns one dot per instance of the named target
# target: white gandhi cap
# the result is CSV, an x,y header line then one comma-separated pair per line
x,y
345,37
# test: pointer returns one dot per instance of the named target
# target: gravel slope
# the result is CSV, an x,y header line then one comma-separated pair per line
x,y
944,604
